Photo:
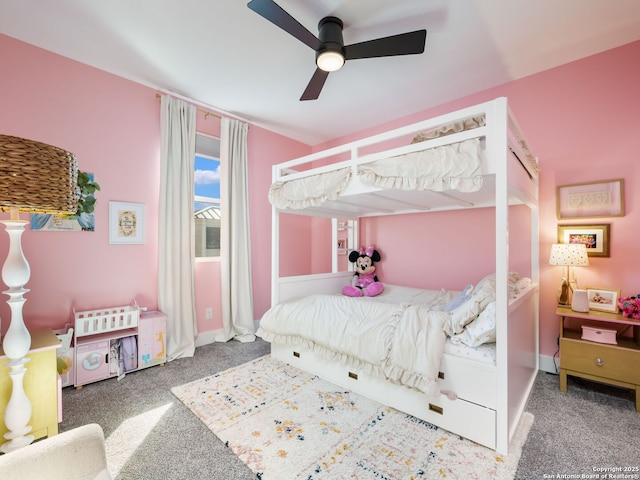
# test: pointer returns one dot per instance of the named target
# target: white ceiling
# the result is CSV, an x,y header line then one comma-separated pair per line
x,y
221,54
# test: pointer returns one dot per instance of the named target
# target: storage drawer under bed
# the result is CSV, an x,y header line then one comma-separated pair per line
x,y
469,380
468,419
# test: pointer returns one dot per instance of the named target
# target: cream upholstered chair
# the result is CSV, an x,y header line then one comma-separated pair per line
x,y
77,454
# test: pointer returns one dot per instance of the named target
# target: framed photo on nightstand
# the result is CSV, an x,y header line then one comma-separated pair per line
x,y
603,299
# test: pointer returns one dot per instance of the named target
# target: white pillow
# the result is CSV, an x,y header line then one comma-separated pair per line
x,y
483,293
459,299
488,283
460,316
516,283
521,285
481,330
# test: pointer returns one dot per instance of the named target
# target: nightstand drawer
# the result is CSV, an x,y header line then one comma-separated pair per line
x,y
601,360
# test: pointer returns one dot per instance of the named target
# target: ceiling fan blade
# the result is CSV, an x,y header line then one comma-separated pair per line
x,y
276,15
409,43
312,92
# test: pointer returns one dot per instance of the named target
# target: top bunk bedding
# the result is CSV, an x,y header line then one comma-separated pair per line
x,y
447,162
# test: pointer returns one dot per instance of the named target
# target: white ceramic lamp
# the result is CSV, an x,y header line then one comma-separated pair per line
x,y
39,178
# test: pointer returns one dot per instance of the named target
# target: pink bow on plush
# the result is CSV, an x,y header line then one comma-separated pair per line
x,y
368,251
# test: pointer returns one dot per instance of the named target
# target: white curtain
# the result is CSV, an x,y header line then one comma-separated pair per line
x,y
235,248
176,251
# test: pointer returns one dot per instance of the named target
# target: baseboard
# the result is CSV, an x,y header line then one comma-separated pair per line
x,y
549,364
205,338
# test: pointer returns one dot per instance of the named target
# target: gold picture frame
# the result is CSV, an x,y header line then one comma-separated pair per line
x,y
603,299
595,237
591,199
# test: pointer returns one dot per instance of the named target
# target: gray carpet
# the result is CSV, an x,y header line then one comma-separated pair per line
x,y
590,426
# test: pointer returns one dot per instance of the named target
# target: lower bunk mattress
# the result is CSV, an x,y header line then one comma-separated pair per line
x,y
428,353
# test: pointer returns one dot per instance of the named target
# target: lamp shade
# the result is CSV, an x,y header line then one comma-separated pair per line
x,y
569,255
330,61
36,177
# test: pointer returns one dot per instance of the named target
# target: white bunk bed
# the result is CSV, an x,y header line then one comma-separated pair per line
x,y
490,397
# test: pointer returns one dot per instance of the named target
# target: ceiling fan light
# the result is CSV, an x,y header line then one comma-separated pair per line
x,y
330,61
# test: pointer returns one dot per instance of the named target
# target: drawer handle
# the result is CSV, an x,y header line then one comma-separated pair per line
x,y
296,354
436,408
353,375
599,362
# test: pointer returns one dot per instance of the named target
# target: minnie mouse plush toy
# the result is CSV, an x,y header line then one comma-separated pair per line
x,y
365,281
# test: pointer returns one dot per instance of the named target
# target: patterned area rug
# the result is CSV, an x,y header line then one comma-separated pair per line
x,y
286,424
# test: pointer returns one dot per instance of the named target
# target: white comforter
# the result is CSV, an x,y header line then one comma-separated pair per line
x,y
457,166
402,342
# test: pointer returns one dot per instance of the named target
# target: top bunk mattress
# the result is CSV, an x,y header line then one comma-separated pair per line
x,y
456,166
438,164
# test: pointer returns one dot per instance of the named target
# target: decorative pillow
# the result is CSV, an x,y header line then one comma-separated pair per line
x,y
459,299
461,316
473,321
483,293
520,286
450,128
480,331
517,284
487,284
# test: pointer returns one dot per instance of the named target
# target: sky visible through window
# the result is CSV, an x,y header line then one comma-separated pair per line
x,y
207,179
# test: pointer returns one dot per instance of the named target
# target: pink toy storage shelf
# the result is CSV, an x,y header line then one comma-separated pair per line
x,y
93,322
99,342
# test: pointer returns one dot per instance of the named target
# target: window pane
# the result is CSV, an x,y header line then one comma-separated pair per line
x,y
207,145
207,220
207,196
207,178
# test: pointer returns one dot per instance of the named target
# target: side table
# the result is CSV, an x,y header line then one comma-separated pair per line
x,y
614,364
40,385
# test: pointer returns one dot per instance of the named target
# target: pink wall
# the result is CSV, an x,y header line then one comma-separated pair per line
x,y
578,118
112,125
265,149
427,255
581,120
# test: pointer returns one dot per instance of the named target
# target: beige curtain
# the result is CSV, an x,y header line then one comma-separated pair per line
x,y
235,248
176,252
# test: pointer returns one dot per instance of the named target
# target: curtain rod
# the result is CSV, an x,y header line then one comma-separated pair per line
x,y
206,113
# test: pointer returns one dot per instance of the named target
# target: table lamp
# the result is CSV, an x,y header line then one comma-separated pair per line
x,y
36,178
568,255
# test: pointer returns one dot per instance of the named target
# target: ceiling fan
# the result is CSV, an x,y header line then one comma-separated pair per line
x,y
331,53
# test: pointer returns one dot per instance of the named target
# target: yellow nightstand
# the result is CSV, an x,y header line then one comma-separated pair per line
x,y
40,385
615,364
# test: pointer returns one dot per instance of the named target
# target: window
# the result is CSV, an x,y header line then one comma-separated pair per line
x,y
207,196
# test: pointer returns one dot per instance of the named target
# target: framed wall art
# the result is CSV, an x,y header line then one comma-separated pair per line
x,y
595,237
603,299
83,220
126,222
593,199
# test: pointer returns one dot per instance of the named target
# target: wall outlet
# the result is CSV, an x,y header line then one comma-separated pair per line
x,y
208,313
